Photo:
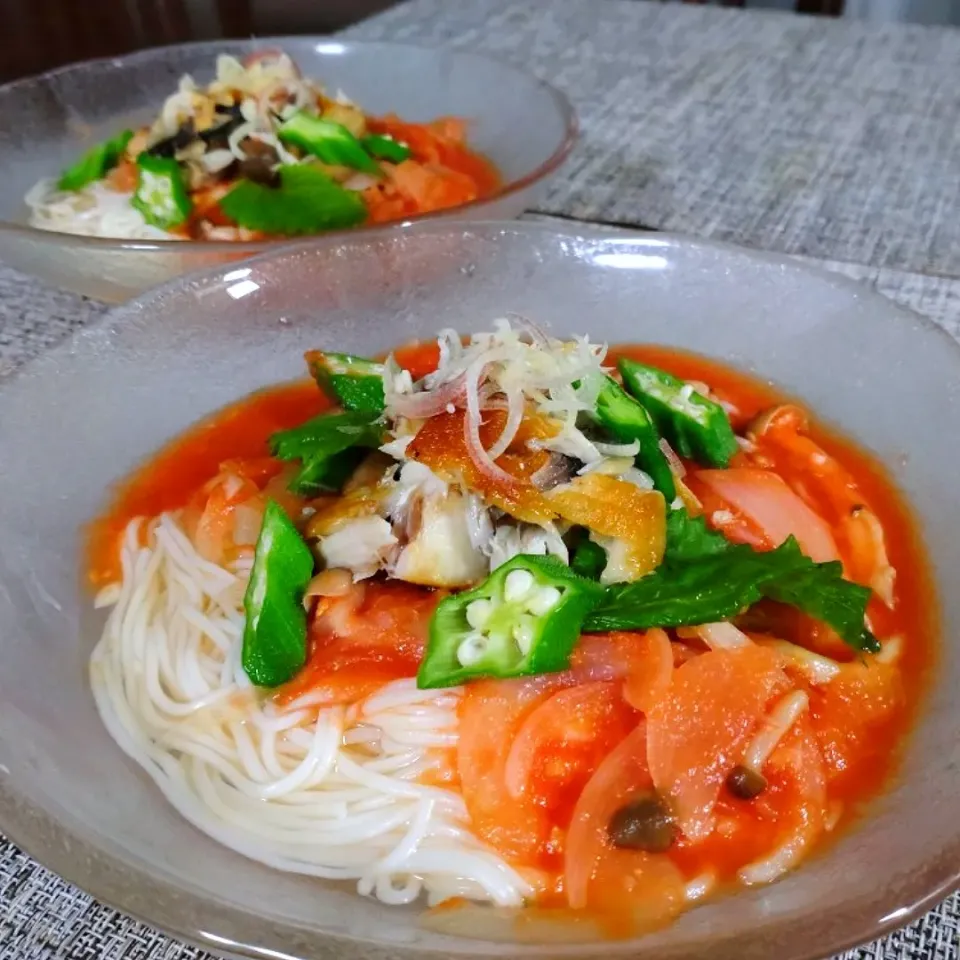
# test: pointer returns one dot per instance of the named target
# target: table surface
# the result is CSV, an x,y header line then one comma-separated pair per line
x,y
835,141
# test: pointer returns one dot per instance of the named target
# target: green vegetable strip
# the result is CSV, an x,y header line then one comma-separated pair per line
x,y
696,427
275,634
161,195
589,560
306,201
705,578
627,420
329,447
385,148
352,382
822,593
326,474
96,163
690,538
524,619
330,142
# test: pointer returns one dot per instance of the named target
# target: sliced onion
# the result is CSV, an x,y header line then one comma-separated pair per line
x,y
515,407
471,428
264,100
479,523
676,467
450,347
247,521
618,449
422,406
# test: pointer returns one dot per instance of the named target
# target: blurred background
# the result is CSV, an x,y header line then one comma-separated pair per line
x,y
40,34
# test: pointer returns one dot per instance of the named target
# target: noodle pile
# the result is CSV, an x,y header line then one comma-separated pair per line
x,y
332,792
96,210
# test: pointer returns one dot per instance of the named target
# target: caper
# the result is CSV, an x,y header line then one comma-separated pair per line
x,y
745,782
645,823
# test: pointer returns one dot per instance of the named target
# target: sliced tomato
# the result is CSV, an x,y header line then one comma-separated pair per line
x,y
650,677
442,143
698,730
432,186
848,711
211,518
764,500
643,661
781,442
560,744
123,177
373,635
491,714
645,890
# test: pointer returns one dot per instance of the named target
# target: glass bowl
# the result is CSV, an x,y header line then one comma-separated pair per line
x,y
522,124
85,413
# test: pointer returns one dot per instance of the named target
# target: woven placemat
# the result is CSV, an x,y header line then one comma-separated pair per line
x,y
831,138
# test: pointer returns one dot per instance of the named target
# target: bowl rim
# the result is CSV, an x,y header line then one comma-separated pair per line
x,y
543,170
80,863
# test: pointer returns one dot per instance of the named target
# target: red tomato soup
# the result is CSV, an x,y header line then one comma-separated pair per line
x,y
552,767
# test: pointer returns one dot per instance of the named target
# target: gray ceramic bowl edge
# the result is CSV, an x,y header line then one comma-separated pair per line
x,y
212,337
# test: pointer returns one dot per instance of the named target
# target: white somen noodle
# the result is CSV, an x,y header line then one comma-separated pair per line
x,y
330,792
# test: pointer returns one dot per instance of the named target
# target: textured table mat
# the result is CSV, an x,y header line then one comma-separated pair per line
x,y
836,139
44,918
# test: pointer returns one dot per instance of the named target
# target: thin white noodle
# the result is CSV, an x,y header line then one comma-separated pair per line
x,y
93,211
325,791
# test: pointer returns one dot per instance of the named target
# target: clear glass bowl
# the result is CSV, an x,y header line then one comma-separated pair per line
x,y
84,414
522,124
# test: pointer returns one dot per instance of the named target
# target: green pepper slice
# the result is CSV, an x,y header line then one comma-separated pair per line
x,y
161,195
588,560
354,383
524,619
627,420
329,141
305,200
385,148
329,447
275,632
695,426
96,163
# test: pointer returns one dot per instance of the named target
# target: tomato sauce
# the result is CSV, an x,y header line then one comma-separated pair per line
x,y
171,476
875,752
859,725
